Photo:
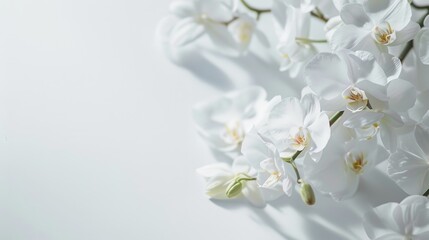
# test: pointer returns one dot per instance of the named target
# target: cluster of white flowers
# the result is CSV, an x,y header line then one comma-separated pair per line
x,y
362,105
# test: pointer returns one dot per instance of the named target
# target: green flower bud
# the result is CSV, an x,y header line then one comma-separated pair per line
x,y
234,189
307,194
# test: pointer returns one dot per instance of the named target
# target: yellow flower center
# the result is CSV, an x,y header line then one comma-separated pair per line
x,y
245,32
355,95
356,162
356,99
234,133
383,33
300,139
273,179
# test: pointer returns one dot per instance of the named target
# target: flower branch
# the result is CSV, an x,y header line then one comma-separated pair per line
x,y
335,117
230,21
291,161
319,15
308,41
256,10
418,7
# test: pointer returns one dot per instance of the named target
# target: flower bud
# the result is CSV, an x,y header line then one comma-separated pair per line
x,y
307,194
234,189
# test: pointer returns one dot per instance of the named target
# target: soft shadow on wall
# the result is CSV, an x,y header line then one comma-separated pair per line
x,y
229,72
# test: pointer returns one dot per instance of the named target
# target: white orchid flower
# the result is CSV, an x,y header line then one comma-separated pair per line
x,y
293,28
421,43
223,122
384,118
243,29
355,81
225,182
191,19
409,166
297,125
404,221
331,26
351,80
374,26
343,163
274,177
370,123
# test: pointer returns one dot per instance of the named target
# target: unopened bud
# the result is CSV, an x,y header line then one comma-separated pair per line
x,y
307,194
234,189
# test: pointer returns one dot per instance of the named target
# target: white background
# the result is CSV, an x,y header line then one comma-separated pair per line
x,y
97,141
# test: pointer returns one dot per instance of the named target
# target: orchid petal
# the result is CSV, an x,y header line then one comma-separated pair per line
x,y
253,194
396,12
320,133
287,186
362,119
311,107
186,31
220,36
402,95
406,34
327,77
355,14
409,171
391,66
422,138
422,45
349,36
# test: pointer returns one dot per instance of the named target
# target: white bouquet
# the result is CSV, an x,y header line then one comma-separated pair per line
x,y
363,103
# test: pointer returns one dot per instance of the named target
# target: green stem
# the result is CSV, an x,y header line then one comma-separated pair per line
x,y
295,155
406,50
298,177
230,21
307,40
246,179
319,15
368,105
256,10
418,7
426,193
291,161
335,118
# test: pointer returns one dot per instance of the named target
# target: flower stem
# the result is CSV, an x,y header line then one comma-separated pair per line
x,y
230,21
426,193
295,155
291,161
410,44
307,40
247,179
256,10
298,177
418,7
319,15
335,118
406,50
